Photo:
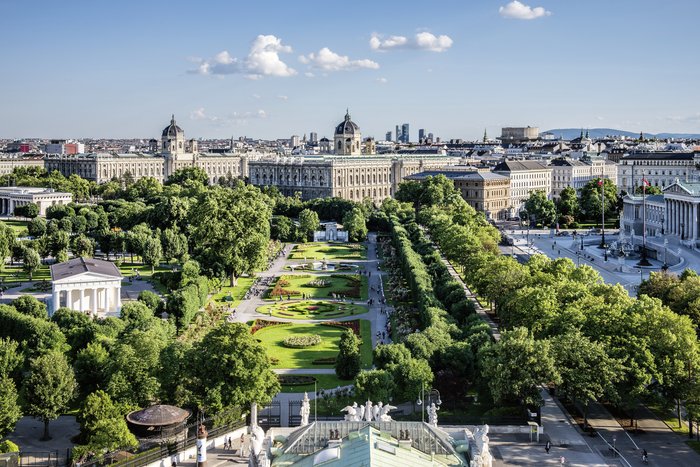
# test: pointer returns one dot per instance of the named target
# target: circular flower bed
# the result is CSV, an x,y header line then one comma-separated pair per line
x,y
295,380
301,341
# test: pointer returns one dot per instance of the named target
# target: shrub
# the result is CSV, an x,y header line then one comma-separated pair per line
x,y
263,323
8,446
301,341
324,361
295,380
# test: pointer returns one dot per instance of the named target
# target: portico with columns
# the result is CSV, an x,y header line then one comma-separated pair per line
x,y
675,213
87,285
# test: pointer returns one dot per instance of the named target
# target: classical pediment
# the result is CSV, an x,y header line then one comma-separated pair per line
x,y
87,277
677,188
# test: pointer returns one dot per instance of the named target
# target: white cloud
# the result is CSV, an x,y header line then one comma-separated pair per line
x,y
328,60
518,10
282,98
308,74
382,80
233,118
257,96
422,41
263,60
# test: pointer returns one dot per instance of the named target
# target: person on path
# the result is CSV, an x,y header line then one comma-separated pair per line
x,y
547,447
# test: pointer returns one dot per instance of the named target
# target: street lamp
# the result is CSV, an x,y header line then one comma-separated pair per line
x,y
665,266
431,394
578,258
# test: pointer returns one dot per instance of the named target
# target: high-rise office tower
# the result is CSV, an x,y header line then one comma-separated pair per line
x,y
313,137
421,135
398,134
404,133
388,136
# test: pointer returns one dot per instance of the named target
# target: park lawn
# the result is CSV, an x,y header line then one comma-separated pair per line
x,y
272,336
19,227
307,309
329,251
233,296
14,274
127,269
669,417
329,381
337,284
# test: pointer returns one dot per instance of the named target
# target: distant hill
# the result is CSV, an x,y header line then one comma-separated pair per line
x,y
595,133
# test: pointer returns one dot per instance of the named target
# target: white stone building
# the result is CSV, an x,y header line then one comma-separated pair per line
x,y
576,173
88,285
14,196
174,153
660,169
674,213
526,177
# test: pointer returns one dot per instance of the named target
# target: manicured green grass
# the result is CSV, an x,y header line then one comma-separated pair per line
x,y
272,336
298,284
329,381
233,296
129,269
20,227
14,274
329,251
669,418
307,309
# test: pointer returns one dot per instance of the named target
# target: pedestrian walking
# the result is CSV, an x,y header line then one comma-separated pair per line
x,y
547,447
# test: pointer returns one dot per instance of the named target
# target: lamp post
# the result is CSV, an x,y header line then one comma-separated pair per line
x,y
602,211
578,258
665,266
431,394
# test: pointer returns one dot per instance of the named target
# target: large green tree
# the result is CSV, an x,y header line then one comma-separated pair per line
x,y
592,199
308,223
355,224
49,388
103,425
515,366
31,261
347,363
568,202
230,230
540,209
230,368
10,410
587,372
375,385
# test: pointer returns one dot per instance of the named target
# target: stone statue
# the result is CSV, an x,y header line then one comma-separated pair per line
x,y
384,416
257,437
305,410
360,414
432,414
368,411
351,412
377,411
482,455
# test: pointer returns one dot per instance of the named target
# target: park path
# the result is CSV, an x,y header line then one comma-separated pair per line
x,y
246,310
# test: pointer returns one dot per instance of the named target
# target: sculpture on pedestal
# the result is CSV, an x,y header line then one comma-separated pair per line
x,y
482,455
368,412
432,415
305,410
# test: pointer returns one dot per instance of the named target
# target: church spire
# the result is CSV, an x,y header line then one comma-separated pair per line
x,y
172,120
486,138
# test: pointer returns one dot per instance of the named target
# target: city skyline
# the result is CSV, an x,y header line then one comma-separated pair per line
x,y
273,70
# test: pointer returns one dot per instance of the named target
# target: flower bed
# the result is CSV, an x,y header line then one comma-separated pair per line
x,y
354,325
263,323
295,380
301,341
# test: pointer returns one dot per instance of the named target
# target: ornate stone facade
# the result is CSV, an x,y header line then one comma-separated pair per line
x,y
175,153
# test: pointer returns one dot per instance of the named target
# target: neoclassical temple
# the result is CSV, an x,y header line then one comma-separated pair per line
x,y
674,213
88,285
12,197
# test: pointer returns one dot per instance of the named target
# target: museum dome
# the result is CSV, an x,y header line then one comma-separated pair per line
x,y
347,126
172,130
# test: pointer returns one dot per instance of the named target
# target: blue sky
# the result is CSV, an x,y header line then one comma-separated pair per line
x,y
271,69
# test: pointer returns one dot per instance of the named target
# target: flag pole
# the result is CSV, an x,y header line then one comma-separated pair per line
x,y
643,261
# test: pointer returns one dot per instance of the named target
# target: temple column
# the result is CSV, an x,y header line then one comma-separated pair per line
x,y
94,301
56,303
105,299
81,305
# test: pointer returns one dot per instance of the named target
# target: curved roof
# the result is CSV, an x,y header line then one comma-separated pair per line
x,y
347,126
158,415
172,130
